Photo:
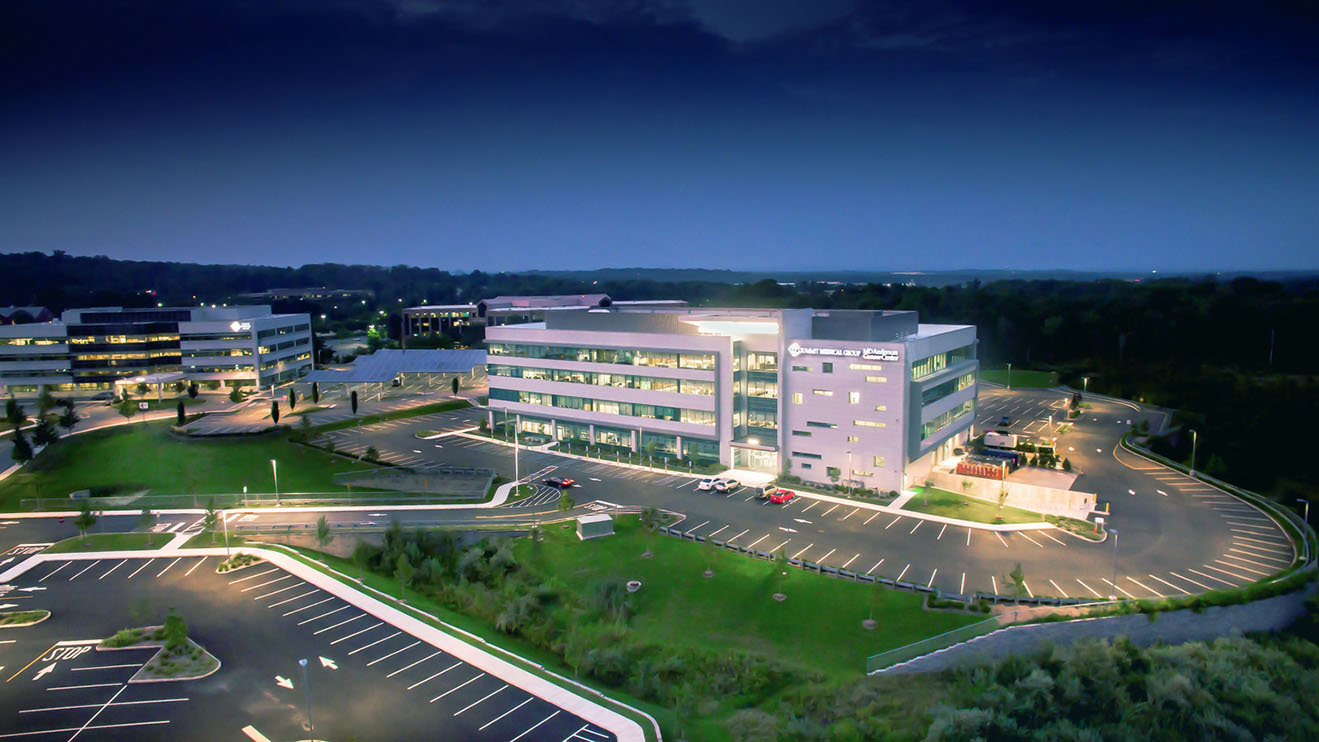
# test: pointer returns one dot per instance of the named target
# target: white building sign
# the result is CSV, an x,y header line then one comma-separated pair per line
x,y
240,326
868,354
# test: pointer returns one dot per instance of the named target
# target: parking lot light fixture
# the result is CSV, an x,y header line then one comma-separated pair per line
x,y
274,471
1195,437
311,728
1112,594
849,473
1085,384
1306,520
1009,376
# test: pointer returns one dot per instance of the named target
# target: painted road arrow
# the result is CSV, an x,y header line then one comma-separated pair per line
x,y
7,561
283,682
30,589
327,662
8,605
48,669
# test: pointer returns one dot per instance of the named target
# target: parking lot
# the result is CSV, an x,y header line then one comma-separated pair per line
x,y
1176,536
368,680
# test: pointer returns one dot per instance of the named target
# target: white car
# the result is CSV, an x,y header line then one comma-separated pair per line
x,y
707,484
727,485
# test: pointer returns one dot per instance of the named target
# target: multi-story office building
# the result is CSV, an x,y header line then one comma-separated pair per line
x,y
870,398
90,349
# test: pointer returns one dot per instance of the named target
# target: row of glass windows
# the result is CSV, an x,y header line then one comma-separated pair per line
x,y
233,352
607,407
942,421
34,359
939,361
627,356
27,374
264,349
285,330
209,369
220,336
122,339
952,386
765,389
33,341
125,356
281,361
623,381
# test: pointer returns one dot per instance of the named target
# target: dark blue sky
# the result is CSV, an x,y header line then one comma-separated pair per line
x,y
676,133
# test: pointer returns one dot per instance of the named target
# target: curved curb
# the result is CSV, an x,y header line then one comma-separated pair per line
x,y
29,623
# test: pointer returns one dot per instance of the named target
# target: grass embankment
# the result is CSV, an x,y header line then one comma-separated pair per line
x,y
146,456
427,409
720,642
110,542
934,501
1022,378
213,540
19,619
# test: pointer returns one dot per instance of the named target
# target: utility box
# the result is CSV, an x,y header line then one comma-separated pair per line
x,y
595,526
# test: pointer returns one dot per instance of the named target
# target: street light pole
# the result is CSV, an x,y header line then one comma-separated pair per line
x,y
1112,595
517,423
1009,376
1085,384
306,687
1306,519
1194,439
224,518
849,473
274,470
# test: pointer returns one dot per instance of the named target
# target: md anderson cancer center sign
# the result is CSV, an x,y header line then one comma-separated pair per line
x,y
867,354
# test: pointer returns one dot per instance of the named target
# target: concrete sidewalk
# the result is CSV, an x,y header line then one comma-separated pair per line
x,y
626,729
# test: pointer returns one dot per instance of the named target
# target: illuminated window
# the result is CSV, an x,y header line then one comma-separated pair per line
x,y
853,397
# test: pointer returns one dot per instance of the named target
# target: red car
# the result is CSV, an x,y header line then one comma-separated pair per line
x,y
781,496
563,483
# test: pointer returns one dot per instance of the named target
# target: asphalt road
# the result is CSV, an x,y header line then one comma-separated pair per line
x,y
380,683
1176,535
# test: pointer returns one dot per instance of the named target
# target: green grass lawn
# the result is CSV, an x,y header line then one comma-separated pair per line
x,y
1021,378
952,505
110,542
22,617
213,540
146,456
818,627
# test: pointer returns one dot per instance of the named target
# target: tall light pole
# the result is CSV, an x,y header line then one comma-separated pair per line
x,y
311,728
274,470
1306,519
849,473
1194,440
224,519
1085,384
1009,376
1112,595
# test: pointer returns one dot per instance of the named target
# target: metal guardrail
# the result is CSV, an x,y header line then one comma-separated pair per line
x,y
877,662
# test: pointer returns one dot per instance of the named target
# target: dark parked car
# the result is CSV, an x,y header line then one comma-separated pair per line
x,y
561,483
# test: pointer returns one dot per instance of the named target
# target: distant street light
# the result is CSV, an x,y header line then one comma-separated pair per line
x,y
849,473
1304,535
1085,384
1113,593
1009,376
311,729
1194,440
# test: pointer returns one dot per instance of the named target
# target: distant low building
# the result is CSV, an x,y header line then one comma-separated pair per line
x,y
448,319
310,294
24,315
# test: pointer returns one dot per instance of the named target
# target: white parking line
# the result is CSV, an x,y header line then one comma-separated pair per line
x,y
849,561
1118,587
1000,539
78,730
139,569
456,687
872,569
97,705
826,556
830,510
106,667
533,726
849,515
290,600
1138,582
1061,592
1188,579
775,550
740,535
941,530
1028,538
372,644
277,592
260,585
935,572
1169,584
506,713
1087,587
1242,567
194,567
475,703
252,577
895,520
436,675
1253,555
903,572
1051,538
117,566
414,664
323,615
48,576
355,633
968,537
716,533
693,530
918,525
1234,574
1211,577
80,687
162,572
84,569
391,654
752,545
961,589
794,556
876,515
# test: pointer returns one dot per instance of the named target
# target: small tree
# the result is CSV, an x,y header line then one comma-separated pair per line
x,y
45,433
85,520
69,418
362,558
454,385
1067,464
304,429
1017,579
45,401
566,502
235,395
176,633
211,518
352,401
181,414
371,454
14,412
22,450
145,521
315,393
274,412
127,408
192,390
403,572
180,387
323,534
293,399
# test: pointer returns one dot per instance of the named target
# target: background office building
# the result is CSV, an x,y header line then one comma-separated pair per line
x,y
870,398
90,349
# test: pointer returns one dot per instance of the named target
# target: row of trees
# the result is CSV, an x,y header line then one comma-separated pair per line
x,y
44,432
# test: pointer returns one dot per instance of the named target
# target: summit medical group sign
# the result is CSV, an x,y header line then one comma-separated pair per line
x,y
868,354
